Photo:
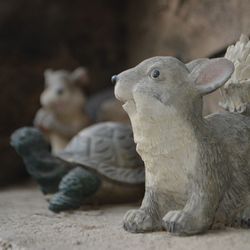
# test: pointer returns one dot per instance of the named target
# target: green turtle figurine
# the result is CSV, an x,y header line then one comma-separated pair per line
x,y
100,164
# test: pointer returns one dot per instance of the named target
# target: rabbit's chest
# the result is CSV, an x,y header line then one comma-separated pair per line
x,y
168,147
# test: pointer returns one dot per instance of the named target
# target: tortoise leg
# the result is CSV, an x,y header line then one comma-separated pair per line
x,y
74,187
47,170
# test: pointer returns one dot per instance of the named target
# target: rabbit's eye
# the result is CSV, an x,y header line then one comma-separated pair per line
x,y
155,74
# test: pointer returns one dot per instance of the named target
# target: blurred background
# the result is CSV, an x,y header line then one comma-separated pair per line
x,y
106,36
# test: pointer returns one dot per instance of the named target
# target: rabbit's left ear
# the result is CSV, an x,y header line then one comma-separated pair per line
x,y
80,76
196,63
209,75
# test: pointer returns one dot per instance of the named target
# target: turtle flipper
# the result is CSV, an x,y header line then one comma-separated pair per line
x,y
77,185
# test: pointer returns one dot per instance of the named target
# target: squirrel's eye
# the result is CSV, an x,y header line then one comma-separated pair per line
x,y
60,91
155,73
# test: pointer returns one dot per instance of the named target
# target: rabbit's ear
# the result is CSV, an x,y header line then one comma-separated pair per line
x,y
80,76
197,62
210,75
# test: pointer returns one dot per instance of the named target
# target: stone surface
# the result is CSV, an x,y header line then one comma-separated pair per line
x,y
26,224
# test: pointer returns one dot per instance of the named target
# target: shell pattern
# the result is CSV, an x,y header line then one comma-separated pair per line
x,y
109,149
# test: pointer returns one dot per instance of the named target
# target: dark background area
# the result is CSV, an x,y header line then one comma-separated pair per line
x,y
40,34
106,36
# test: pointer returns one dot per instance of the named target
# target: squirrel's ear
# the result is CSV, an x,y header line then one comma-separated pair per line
x,y
80,76
46,73
209,75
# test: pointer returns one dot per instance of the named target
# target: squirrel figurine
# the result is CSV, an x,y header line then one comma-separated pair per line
x,y
62,114
197,169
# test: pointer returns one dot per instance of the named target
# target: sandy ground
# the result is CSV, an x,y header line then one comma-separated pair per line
x,y
25,223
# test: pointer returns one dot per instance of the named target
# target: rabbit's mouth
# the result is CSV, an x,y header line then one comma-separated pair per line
x,y
127,103
129,106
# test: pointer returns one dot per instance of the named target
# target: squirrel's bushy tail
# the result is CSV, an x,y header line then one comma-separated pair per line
x,y
236,92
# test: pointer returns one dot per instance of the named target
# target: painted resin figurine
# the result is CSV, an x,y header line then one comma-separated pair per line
x,y
197,169
62,114
236,91
99,165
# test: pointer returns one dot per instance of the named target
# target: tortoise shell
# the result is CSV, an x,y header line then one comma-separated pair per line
x,y
109,149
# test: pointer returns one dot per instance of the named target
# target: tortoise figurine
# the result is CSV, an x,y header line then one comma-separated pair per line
x,y
100,164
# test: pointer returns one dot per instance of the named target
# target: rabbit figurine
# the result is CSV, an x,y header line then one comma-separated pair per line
x,y
197,169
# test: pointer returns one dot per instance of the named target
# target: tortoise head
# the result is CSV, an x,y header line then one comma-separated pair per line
x,y
28,139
